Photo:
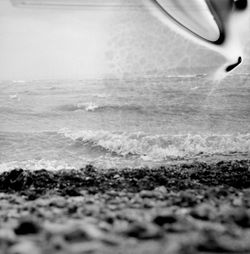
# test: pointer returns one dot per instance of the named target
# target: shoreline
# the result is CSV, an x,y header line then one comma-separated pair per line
x,y
193,207
175,177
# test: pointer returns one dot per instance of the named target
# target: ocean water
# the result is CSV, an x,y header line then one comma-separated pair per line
x,y
128,122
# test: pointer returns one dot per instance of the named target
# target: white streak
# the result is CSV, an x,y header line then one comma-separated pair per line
x,y
219,26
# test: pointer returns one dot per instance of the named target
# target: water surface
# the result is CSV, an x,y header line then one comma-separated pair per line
x,y
122,122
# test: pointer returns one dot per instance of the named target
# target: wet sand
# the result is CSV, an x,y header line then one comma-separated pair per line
x,y
198,207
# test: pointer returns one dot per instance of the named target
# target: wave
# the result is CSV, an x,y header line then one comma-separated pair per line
x,y
200,75
93,107
34,165
89,106
161,147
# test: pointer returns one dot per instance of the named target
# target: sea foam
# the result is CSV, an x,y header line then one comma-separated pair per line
x,y
161,147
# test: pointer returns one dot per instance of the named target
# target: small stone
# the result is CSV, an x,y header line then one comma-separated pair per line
x,y
74,232
212,242
144,231
237,202
77,235
72,209
58,202
161,220
161,189
147,194
27,227
57,243
25,248
241,217
110,240
203,212
72,192
85,248
110,219
7,236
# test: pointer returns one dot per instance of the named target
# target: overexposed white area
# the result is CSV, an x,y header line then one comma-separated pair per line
x,y
85,39
50,43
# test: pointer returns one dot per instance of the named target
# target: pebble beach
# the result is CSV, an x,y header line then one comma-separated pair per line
x,y
198,207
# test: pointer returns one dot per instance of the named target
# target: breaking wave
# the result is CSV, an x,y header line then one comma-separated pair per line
x,y
161,147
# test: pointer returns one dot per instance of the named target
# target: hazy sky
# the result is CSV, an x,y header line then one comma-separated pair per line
x,y
38,43
44,43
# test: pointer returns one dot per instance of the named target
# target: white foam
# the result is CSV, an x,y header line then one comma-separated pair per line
x,y
91,106
34,165
14,97
161,147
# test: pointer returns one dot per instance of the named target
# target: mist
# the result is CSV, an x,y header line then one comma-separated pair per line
x,y
56,43
60,43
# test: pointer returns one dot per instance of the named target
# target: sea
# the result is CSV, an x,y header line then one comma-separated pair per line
x,y
123,122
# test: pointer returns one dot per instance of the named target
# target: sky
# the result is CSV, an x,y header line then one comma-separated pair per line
x,y
42,43
78,43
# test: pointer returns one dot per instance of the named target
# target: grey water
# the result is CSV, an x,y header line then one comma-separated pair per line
x,y
129,122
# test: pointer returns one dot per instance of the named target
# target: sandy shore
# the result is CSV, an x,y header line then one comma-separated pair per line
x,y
189,208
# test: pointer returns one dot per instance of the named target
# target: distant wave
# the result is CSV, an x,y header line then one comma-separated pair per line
x,y
19,81
102,95
161,147
93,107
187,76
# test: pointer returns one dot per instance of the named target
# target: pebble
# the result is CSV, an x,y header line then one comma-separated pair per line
x,y
161,189
144,231
85,248
203,212
211,241
163,219
75,232
241,217
116,176
27,227
7,236
25,247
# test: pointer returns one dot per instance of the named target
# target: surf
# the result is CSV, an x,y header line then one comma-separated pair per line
x,y
151,147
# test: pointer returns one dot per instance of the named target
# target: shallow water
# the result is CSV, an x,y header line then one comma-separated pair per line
x,y
122,122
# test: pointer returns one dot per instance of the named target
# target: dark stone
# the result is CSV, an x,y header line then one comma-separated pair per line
x,y
76,235
16,180
196,176
203,212
144,232
72,209
242,218
161,220
27,227
71,191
